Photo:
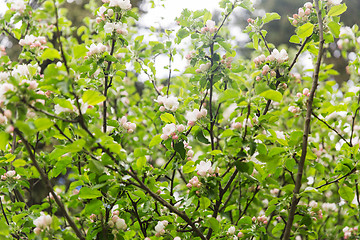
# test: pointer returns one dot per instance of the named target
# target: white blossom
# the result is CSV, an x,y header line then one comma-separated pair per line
x,y
4,76
109,27
123,4
171,103
18,5
203,168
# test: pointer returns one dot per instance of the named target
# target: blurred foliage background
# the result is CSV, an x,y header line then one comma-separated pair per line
x,y
279,31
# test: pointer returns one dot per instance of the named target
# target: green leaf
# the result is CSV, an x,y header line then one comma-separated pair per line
x,y
168,118
4,137
140,162
94,206
50,53
79,51
200,136
226,46
272,95
270,17
228,94
294,39
204,202
255,39
140,152
347,193
43,124
96,166
88,193
189,167
18,217
179,147
19,163
334,28
305,30
214,224
92,97
337,10
155,141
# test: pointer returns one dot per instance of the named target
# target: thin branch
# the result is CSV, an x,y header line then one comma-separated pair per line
x,y
257,189
48,185
168,82
298,53
333,129
266,45
295,197
59,39
338,179
353,120
171,208
49,114
3,211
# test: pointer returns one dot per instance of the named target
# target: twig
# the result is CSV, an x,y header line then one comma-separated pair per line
x,y
295,197
338,179
266,45
168,82
333,129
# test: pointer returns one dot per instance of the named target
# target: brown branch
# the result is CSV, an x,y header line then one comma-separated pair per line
x,y
266,45
171,208
295,197
338,179
48,185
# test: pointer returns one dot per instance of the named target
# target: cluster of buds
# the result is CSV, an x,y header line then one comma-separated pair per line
x,y
96,49
7,115
294,109
93,217
195,115
194,182
170,103
303,14
103,13
306,93
117,222
33,42
190,55
227,61
348,231
265,70
209,27
2,51
129,126
10,175
203,67
190,152
260,219
42,223
250,21
172,130
160,228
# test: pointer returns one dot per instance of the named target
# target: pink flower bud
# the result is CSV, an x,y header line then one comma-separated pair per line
x,y
298,94
258,78
306,91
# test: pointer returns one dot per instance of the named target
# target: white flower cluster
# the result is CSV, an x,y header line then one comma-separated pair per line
x,y
4,76
333,2
348,231
302,15
32,41
170,103
205,169
294,109
120,28
232,230
123,4
203,68
117,222
329,207
195,115
32,84
171,130
18,6
160,228
43,222
10,175
129,126
96,49
209,27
